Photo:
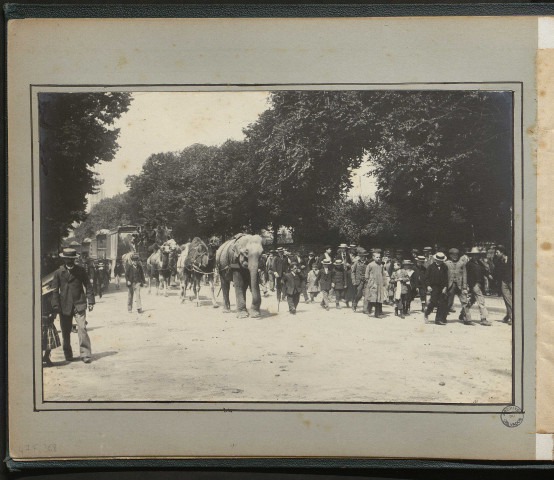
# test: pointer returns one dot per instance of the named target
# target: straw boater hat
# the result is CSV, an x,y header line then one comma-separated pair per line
x,y
475,251
407,263
326,262
69,253
362,252
352,245
441,257
428,249
280,249
420,258
343,245
338,261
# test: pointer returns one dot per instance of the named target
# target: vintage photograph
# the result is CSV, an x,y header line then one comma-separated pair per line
x,y
278,245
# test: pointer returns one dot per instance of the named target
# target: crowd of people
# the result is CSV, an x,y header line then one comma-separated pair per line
x,y
355,277
352,276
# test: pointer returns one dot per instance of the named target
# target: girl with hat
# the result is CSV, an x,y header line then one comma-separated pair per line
x,y
399,286
313,282
50,337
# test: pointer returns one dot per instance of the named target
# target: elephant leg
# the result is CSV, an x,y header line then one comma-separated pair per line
x,y
241,284
225,286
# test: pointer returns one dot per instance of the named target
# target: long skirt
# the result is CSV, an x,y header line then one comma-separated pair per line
x,y
50,337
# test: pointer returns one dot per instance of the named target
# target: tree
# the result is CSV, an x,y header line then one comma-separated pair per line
x,y
108,213
76,133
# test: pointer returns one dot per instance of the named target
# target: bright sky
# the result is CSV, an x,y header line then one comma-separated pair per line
x,y
171,121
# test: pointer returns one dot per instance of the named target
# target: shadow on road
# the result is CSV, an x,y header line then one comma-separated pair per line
x,y
98,356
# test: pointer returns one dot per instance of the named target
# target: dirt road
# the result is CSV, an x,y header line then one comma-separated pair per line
x,y
181,352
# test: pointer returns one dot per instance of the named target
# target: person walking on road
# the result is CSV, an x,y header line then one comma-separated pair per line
x,y
134,276
313,282
457,284
437,285
325,282
72,291
375,281
338,281
503,275
292,286
475,281
280,267
358,277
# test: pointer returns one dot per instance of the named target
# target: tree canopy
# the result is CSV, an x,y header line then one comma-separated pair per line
x,y
442,161
76,133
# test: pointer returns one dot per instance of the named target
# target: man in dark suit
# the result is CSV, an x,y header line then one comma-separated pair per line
x,y
134,276
70,300
280,267
437,285
292,286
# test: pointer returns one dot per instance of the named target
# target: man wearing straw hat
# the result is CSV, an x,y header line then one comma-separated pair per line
x,y
437,284
72,292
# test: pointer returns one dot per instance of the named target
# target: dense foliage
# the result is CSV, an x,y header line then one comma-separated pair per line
x,y
76,132
442,161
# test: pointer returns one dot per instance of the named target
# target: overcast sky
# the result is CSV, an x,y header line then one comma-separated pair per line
x,y
171,121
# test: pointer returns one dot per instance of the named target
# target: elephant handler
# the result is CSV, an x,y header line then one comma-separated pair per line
x,y
292,286
134,276
69,299
279,269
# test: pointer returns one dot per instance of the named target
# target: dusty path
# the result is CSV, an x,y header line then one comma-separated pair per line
x,y
186,353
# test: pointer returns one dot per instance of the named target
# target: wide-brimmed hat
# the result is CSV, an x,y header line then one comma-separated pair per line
x,y
135,256
343,245
475,251
326,262
454,251
69,253
441,257
338,261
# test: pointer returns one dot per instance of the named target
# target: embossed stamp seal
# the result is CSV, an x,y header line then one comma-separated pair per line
x,y
511,416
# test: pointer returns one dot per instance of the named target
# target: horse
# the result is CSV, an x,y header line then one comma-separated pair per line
x,y
196,261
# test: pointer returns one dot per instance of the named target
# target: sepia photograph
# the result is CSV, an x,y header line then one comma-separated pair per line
x,y
307,244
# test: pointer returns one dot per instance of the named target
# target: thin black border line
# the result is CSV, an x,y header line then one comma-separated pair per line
x,y
31,86
232,410
275,11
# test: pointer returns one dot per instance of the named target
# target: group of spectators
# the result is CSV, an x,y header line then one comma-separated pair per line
x,y
372,278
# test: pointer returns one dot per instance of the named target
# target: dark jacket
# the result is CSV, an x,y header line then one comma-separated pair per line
x,y
339,278
437,276
503,270
134,274
69,290
292,283
280,265
475,273
325,279
419,277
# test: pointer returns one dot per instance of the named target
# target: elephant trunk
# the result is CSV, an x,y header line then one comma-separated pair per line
x,y
255,286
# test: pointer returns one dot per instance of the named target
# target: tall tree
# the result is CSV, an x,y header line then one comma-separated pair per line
x,y
76,133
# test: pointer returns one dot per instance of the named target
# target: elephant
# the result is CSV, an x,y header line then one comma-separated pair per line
x,y
237,260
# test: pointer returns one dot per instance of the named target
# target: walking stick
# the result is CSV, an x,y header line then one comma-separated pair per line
x,y
218,292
